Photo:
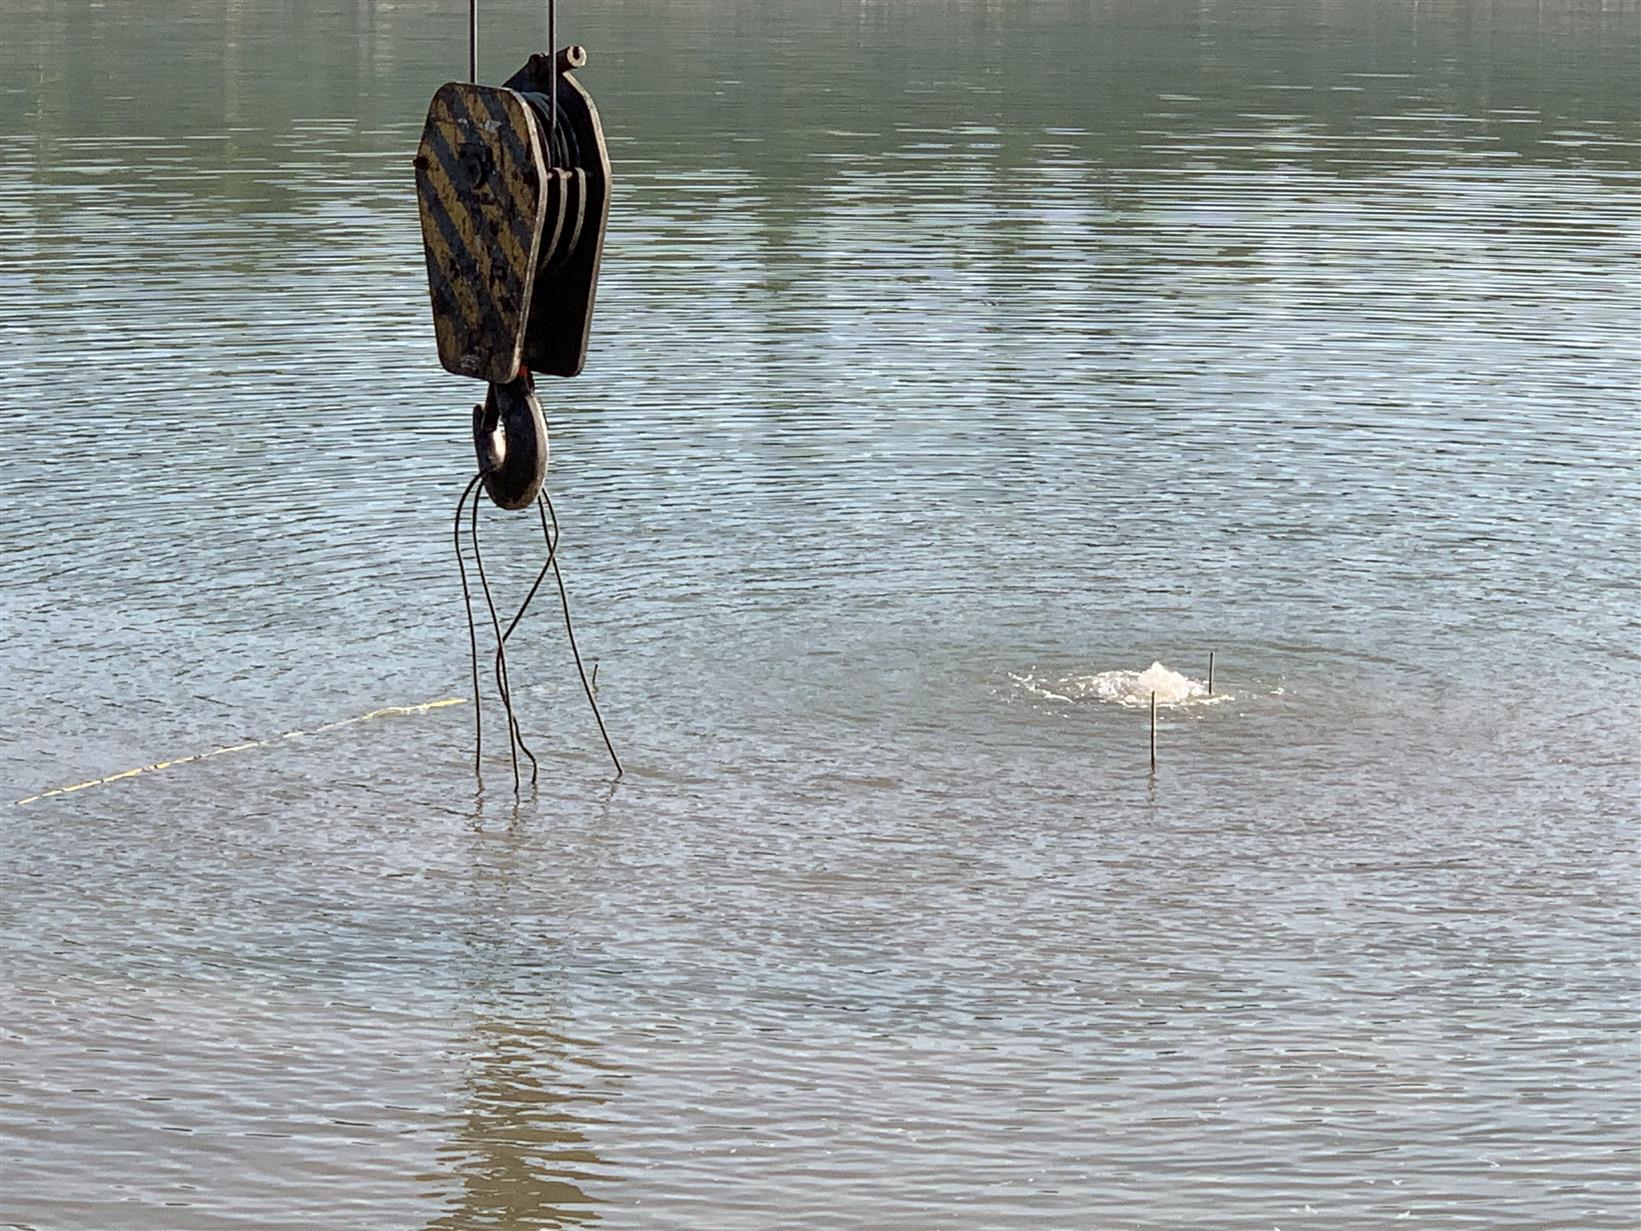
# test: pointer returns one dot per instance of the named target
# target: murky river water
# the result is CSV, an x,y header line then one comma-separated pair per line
x,y
947,356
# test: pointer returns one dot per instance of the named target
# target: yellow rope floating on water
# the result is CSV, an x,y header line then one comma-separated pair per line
x,y
388,711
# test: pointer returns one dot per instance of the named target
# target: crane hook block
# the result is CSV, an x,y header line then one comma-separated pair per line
x,y
513,213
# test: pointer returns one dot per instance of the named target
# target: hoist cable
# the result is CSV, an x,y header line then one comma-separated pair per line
x,y
473,41
552,61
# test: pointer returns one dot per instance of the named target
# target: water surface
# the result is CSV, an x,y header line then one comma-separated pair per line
x,y
939,346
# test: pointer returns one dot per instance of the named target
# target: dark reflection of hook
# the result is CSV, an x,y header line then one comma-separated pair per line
x,y
520,1157
516,1153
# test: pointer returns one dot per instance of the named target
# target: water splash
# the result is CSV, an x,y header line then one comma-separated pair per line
x,y
1130,688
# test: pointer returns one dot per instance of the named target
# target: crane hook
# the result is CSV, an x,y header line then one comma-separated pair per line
x,y
510,441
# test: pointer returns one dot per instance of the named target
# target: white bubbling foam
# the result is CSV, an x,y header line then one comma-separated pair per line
x,y
1132,688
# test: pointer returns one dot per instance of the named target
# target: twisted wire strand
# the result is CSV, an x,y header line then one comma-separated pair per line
x,y
503,681
551,535
501,663
515,741
552,551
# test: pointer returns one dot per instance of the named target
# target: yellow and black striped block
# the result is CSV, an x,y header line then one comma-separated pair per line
x,y
479,174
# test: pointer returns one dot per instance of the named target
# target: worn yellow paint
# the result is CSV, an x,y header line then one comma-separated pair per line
x,y
387,711
481,271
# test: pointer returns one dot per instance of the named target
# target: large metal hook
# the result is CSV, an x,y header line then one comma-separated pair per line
x,y
510,441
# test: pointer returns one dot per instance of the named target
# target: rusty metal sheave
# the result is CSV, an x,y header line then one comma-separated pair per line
x,y
513,217
479,173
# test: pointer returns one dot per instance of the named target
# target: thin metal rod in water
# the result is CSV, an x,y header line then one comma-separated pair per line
x,y
473,41
1153,732
1210,673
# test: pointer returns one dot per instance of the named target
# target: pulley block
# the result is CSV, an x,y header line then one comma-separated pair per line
x,y
513,188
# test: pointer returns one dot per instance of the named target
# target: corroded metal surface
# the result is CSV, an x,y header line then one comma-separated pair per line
x,y
513,212
561,311
479,175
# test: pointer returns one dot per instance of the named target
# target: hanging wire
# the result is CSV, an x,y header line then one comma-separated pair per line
x,y
501,645
551,535
552,551
472,632
515,740
569,630
503,682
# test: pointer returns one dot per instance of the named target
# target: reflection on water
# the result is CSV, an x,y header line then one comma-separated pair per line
x,y
938,344
518,1155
